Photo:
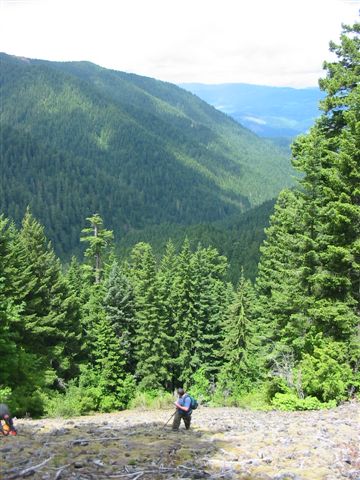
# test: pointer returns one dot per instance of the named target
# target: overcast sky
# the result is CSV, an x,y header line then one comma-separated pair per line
x,y
268,42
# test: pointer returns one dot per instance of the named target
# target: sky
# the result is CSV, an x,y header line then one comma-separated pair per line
x,y
266,42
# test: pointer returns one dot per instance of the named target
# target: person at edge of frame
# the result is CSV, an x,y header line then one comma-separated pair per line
x,y
5,416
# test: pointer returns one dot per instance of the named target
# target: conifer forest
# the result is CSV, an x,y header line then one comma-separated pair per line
x,y
96,331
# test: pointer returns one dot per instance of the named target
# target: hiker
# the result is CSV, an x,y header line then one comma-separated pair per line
x,y
183,410
8,427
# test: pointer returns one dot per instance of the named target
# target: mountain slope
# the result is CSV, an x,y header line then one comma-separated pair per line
x,y
77,138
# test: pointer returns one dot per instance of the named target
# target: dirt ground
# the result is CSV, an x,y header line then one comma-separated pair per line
x,y
227,443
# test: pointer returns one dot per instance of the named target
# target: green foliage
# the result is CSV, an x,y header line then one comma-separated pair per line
x,y
276,385
119,306
152,399
308,282
99,240
89,394
291,402
326,373
228,393
151,353
254,400
5,394
76,401
201,387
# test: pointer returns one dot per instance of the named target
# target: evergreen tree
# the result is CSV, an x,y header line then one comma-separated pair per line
x,y
50,320
9,312
331,195
166,311
209,289
199,302
185,322
239,347
151,353
99,240
105,367
282,326
119,306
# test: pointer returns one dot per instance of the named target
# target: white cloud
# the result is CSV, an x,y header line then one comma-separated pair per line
x,y
273,42
258,121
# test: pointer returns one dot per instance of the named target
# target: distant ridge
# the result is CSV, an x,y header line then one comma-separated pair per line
x,y
267,111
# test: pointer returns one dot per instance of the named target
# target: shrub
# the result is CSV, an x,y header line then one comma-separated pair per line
x,y
274,386
254,400
200,386
232,392
88,394
291,402
5,394
76,401
325,374
151,399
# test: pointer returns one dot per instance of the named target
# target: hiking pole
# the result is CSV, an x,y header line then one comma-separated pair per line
x,y
169,420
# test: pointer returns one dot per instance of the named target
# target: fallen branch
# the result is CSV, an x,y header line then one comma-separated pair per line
x,y
60,470
140,475
31,469
159,471
78,441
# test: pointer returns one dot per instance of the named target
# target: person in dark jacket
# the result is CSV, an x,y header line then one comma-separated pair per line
x,y
5,416
183,410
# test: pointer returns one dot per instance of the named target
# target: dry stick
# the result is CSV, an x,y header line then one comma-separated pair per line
x,y
88,440
140,475
192,469
159,471
121,475
31,469
60,470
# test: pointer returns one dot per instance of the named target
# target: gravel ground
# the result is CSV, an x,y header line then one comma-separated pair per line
x,y
228,443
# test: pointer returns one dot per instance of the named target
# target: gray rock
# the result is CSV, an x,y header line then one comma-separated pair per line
x,y
287,476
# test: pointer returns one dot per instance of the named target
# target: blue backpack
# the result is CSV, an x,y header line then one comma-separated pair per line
x,y
194,403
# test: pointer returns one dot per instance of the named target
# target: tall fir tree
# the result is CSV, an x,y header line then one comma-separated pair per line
x,y
209,290
165,279
241,370
330,194
50,320
151,353
9,312
99,240
185,323
119,306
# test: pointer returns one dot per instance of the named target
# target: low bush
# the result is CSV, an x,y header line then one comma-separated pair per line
x,y
152,399
75,401
291,402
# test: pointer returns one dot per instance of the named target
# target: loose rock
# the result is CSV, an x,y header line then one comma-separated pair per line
x,y
226,443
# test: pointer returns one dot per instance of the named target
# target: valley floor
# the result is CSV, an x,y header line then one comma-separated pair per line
x,y
226,443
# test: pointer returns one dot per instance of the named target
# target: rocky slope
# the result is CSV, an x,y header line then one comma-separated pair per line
x,y
226,443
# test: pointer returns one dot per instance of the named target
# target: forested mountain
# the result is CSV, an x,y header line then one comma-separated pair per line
x,y
268,111
78,139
